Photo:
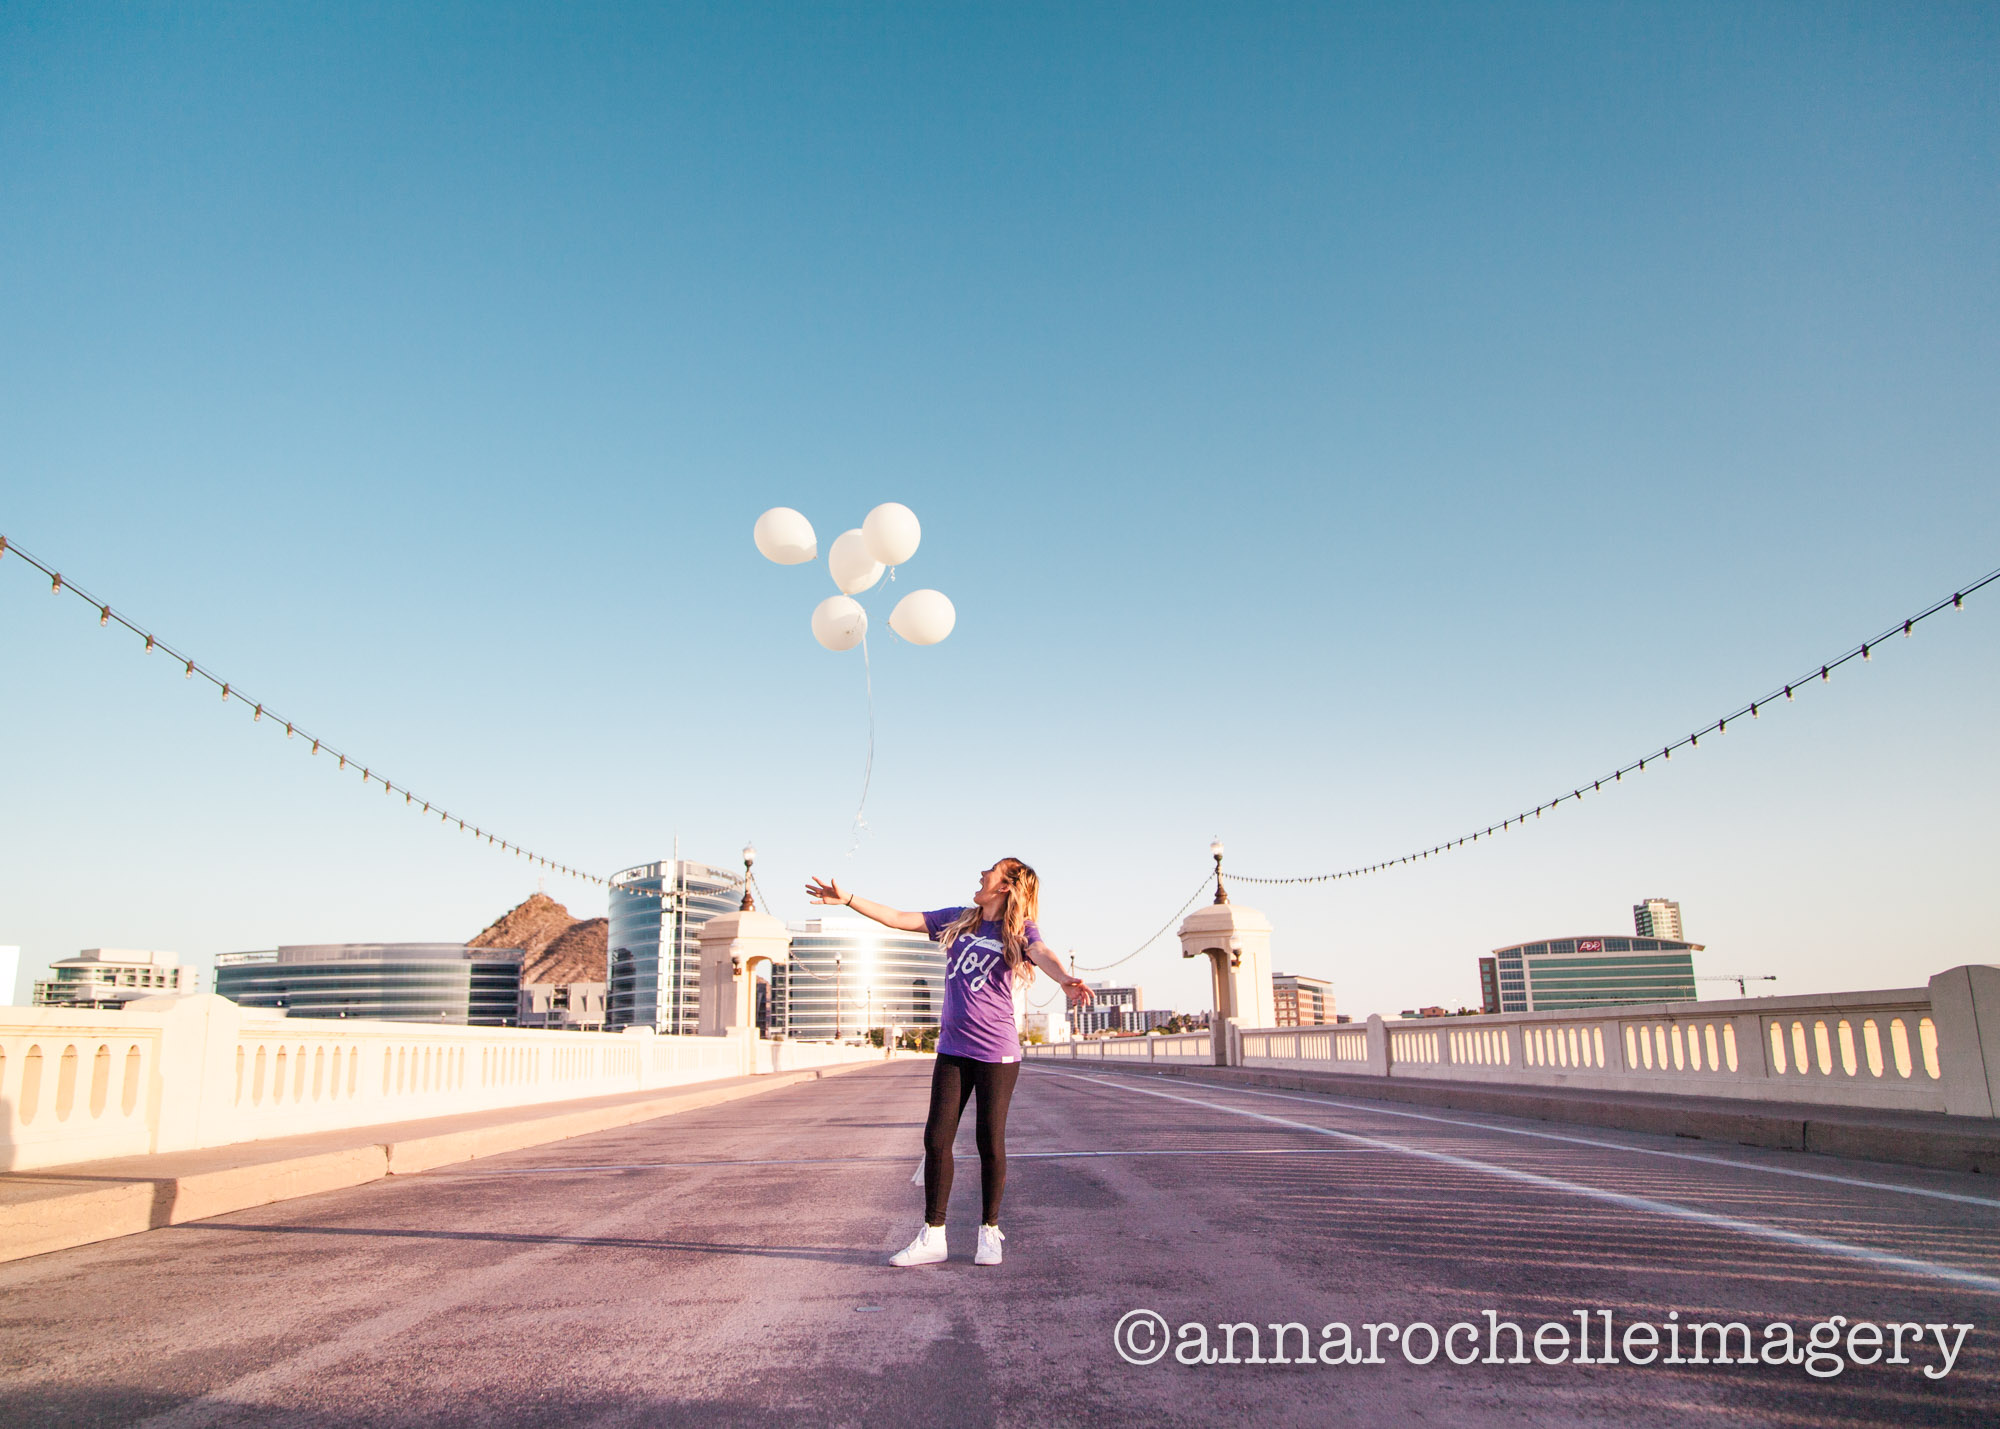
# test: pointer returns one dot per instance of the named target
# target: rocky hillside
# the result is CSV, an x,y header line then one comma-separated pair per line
x,y
577,955
554,946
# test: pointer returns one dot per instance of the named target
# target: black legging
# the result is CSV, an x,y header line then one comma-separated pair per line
x,y
953,1080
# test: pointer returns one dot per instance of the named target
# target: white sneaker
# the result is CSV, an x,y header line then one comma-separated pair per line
x,y
926,1249
989,1246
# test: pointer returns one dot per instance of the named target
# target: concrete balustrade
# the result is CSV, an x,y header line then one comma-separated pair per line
x,y
1193,1048
1933,1048
182,1073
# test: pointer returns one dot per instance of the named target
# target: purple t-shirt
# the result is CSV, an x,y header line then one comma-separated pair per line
x,y
978,1016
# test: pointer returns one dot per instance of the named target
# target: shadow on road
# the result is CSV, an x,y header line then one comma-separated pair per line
x,y
111,1406
825,1254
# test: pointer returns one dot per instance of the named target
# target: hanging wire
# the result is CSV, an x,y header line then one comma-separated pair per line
x,y
1955,601
1864,651
1200,889
259,710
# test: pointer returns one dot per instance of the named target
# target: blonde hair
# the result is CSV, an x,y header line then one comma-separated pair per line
x,y
1023,906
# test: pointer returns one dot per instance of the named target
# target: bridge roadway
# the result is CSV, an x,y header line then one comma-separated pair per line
x,y
725,1266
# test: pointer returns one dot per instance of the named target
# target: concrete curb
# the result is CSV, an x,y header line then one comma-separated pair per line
x,y
1934,1140
64,1206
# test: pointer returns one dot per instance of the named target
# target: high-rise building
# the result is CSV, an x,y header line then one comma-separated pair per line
x,y
847,975
448,983
1657,918
1489,984
101,978
1111,1009
656,914
1564,974
1302,1001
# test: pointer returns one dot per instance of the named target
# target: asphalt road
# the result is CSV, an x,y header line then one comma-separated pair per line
x,y
726,1267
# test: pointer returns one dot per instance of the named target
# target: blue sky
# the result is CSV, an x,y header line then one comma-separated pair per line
x,y
1338,427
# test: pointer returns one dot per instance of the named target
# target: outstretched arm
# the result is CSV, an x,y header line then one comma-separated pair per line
x,y
826,891
1043,956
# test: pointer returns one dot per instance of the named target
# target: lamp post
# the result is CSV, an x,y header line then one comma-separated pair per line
x,y
1215,852
749,858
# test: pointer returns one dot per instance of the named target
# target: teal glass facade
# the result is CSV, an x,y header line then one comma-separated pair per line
x,y
655,914
1569,974
845,977
446,983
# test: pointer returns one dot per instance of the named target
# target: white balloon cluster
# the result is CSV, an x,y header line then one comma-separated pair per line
x,y
887,538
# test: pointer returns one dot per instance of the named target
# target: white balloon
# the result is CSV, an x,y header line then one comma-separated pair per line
x,y
839,622
923,617
892,533
854,570
784,536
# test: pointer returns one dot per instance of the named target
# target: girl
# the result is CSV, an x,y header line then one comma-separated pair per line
x,y
986,946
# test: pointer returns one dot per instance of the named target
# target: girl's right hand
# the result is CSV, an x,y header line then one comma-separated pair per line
x,y
826,891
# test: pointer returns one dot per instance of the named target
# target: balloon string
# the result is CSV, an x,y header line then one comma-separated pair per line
x,y
868,768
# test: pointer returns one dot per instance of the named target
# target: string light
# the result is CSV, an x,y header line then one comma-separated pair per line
x,y
1200,889
1862,651
1956,601
106,614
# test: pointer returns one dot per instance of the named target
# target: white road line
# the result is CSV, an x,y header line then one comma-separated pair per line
x,y
1370,1109
1881,1260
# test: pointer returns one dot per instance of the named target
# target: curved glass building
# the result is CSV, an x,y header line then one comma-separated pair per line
x,y
390,982
846,976
656,914
1572,974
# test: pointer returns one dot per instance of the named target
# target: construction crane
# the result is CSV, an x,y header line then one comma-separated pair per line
x,y
1740,979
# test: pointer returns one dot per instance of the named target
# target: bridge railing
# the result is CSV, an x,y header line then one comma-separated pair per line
x,y
1192,1047
180,1073
1932,1048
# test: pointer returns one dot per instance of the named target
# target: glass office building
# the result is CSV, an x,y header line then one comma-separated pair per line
x,y
390,982
1567,974
656,914
846,976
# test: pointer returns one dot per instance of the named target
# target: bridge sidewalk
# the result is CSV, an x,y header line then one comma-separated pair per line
x,y
1909,1138
61,1206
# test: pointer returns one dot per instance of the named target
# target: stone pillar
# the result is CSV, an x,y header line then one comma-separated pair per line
x,y
193,1095
1965,1005
1378,1046
1237,943
1753,1051
731,948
